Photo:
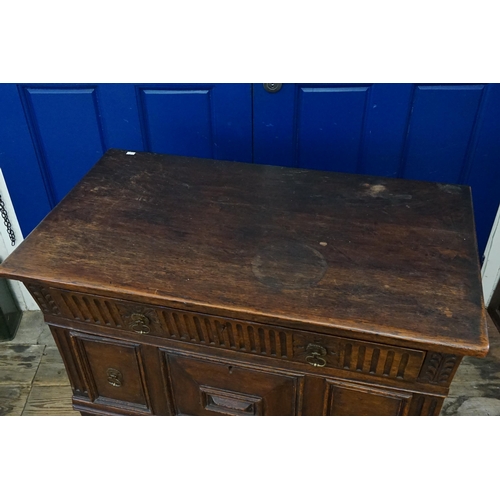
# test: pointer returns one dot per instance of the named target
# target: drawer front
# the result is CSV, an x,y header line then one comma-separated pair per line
x,y
314,350
207,387
113,372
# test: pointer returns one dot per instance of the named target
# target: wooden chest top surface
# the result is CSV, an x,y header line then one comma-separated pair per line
x,y
391,257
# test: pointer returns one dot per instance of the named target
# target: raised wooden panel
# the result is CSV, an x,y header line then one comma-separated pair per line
x,y
346,399
66,131
113,370
208,387
330,127
441,130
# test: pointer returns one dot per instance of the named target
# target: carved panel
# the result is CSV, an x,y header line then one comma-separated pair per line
x,y
439,368
43,299
425,405
113,371
203,386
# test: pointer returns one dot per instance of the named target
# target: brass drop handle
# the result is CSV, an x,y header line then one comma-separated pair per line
x,y
140,323
115,377
314,355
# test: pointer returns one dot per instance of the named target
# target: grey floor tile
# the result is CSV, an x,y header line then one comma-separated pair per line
x,y
19,363
13,399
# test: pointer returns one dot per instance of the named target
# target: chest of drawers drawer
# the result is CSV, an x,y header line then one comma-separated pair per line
x,y
311,349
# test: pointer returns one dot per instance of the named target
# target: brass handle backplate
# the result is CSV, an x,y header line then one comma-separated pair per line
x,y
115,377
140,323
314,355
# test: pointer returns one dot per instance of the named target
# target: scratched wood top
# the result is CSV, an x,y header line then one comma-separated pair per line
x,y
390,257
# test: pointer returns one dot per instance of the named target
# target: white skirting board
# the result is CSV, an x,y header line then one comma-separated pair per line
x,y
490,272
21,295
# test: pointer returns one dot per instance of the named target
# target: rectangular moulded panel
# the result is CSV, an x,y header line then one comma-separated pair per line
x,y
346,399
113,370
65,125
206,387
441,131
178,121
330,127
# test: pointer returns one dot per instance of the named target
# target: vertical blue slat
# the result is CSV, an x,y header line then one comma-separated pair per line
x,y
232,118
120,117
330,127
67,132
484,173
273,125
19,163
385,130
440,131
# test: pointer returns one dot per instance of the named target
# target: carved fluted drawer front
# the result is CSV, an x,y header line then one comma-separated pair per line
x,y
113,371
314,350
353,355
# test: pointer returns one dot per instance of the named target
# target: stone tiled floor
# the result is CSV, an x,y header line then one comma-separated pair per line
x,y
33,379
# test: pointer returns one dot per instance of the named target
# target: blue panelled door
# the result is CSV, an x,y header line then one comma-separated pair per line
x,y
441,133
50,135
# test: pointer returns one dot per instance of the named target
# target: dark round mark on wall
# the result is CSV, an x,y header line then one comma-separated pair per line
x,y
289,265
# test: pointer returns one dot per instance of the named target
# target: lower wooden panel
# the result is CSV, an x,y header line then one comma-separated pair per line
x,y
113,371
207,387
347,399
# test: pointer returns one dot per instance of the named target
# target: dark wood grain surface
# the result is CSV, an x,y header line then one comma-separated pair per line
x,y
391,257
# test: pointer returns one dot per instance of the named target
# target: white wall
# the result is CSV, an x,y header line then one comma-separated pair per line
x,y
490,271
19,291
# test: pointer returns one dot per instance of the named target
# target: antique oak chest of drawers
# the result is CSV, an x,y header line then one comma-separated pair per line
x,y
183,286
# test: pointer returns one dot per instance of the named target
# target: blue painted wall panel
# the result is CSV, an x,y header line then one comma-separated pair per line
x,y
385,129
483,174
178,122
19,163
330,127
65,126
120,117
440,130
206,121
273,126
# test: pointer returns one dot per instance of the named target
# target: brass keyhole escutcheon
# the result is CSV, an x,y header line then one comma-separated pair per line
x,y
115,377
140,323
315,355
